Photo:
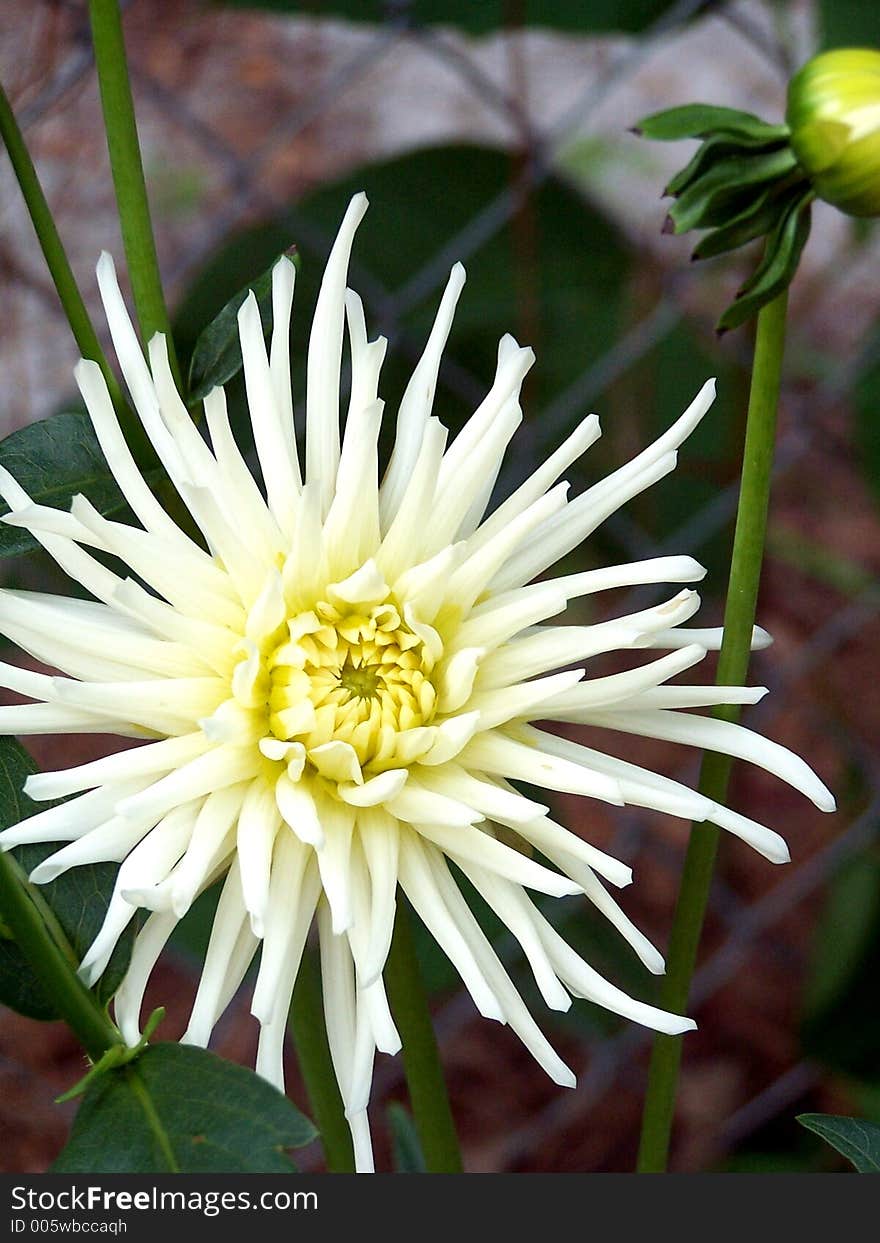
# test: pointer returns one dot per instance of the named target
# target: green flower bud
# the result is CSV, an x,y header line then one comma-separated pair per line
x,y
834,116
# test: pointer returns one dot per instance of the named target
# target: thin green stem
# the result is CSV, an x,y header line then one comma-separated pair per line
x,y
310,1038
733,663
421,1059
52,963
128,172
53,248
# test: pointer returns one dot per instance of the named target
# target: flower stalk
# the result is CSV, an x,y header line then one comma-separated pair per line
x,y
316,1067
54,963
53,248
128,173
733,662
421,1058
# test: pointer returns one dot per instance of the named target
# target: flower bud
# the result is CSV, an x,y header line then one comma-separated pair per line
x,y
834,116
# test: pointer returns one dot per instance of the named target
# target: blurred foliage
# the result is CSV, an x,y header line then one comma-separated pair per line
x,y
406,1149
849,23
867,416
842,1003
486,17
78,900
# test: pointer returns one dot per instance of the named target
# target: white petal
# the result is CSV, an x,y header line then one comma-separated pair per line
x,y
474,846
415,408
420,886
324,360
298,809
148,946
727,738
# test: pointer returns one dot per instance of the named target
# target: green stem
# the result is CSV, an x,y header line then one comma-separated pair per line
x,y
128,173
313,1052
733,663
53,248
421,1059
52,963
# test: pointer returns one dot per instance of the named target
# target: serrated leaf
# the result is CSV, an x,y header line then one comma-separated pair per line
x,y
406,1150
53,460
858,1141
78,899
727,187
701,120
776,271
184,1110
216,357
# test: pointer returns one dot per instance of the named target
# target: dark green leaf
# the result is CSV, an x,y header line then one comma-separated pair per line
x,y
53,460
849,924
858,1141
701,120
753,221
217,354
849,23
842,1003
727,187
711,151
776,271
406,1149
867,402
486,16
183,1110
77,900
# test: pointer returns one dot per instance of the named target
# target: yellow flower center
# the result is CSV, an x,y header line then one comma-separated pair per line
x,y
358,677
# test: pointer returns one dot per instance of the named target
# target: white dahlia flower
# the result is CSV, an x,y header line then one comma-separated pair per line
x,y
337,688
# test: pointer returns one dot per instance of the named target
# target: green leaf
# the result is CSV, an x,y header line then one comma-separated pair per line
x,y
488,15
53,460
867,404
755,220
216,357
726,187
76,902
844,941
406,1149
716,147
777,268
842,1004
183,1110
701,120
849,23
858,1141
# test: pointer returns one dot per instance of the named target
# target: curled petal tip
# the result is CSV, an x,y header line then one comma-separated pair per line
x,y
825,800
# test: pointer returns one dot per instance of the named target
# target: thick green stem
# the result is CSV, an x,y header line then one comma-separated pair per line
x,y
733,663
128,172
313,1052
53,249
81,1011
421,1059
